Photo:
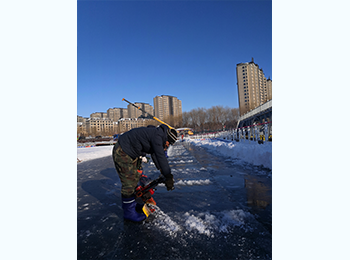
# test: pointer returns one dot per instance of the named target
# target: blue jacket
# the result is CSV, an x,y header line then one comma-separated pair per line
x,y
147,140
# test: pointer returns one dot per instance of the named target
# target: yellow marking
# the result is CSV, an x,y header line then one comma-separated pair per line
x,y
146,210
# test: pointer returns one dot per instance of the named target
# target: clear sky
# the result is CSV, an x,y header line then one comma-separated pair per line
x,y
188,49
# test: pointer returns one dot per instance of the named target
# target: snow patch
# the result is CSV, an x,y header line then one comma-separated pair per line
x,y
193,182
195,223
164,222
201,223
209,224
254,153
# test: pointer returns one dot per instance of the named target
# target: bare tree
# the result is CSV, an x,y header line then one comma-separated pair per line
x,y
221,114
202,117
174,121
194,118
232,117
213,118
213,114
185,119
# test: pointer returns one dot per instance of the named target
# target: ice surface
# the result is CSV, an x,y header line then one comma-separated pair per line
x,y
257,154
206,217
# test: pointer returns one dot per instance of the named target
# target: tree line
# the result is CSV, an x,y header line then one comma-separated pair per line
x,y
200,120
206,119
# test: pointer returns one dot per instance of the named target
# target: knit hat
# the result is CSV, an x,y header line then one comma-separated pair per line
x,y
172,136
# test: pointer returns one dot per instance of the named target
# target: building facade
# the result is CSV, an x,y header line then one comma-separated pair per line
x,y
126,124
120,120
133,112
98,115
253,87
165,106
81,126
100,126
117,113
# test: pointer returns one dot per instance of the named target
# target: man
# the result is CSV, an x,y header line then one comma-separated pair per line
x,y
127,153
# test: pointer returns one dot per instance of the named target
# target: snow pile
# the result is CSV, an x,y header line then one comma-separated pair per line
x,y
251,152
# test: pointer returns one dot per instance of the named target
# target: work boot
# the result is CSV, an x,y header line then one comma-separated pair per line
x,y
130,213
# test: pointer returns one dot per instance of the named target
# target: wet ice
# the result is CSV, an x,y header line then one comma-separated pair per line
x,y
205,212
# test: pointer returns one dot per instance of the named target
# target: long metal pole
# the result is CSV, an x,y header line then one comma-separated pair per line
x,y
157,119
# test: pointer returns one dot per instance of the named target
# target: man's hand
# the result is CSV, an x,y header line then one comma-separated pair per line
x,y
169,182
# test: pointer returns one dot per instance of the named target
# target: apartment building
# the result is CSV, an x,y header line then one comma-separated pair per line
x,y
120,120
165,106
100,126
133,112
117,113
98,115
126,124
81,125
253,87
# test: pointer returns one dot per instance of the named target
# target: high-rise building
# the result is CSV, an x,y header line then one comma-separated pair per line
x,y
165,106
253,87
135,113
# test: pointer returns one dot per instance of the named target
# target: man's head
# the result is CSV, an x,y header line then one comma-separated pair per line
x,y
172,136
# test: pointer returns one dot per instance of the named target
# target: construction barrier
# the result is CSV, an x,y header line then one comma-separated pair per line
x,y
88,146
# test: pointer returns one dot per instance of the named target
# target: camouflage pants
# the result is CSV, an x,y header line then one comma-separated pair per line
x,y
127,170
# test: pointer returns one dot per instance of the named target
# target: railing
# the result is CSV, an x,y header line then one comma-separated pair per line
x,y
257,132
259,109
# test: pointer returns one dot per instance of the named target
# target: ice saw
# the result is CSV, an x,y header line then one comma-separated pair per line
x,y
144,193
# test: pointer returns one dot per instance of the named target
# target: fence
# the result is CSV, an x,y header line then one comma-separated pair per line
x,y
257,132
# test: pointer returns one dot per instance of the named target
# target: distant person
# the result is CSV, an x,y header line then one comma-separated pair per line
x,y
127,156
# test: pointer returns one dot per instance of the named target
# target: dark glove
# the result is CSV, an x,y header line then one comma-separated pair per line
x,y
169,182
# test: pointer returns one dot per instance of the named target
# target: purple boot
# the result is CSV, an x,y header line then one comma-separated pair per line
x,y
130,213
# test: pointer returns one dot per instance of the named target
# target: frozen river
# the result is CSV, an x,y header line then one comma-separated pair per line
x,y
221,208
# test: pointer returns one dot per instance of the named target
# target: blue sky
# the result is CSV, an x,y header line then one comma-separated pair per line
x,y
188,49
